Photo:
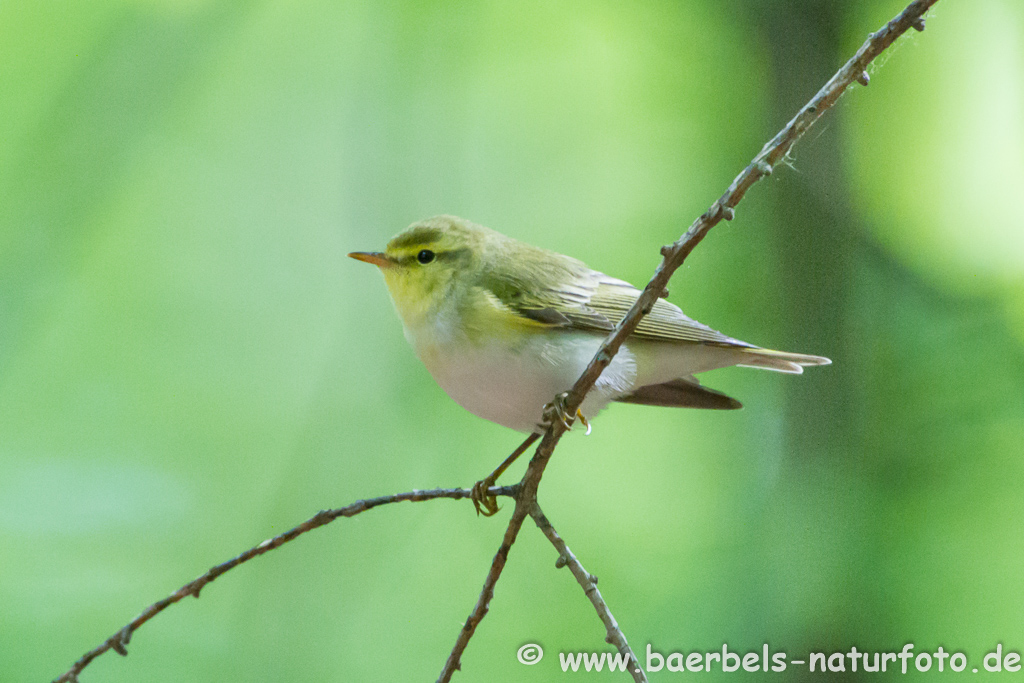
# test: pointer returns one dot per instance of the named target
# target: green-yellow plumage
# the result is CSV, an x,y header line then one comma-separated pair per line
x,y
504,326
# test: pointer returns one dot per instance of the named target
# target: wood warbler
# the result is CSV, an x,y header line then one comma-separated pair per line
x,y
504,327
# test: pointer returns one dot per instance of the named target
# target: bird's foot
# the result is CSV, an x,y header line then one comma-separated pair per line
x,y
556,410
485,504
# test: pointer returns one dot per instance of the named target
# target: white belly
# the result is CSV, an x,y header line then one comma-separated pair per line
x,y
511,387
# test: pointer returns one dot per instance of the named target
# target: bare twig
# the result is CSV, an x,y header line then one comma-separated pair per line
x,y
673,256
761,166
589,584
483,602
119,641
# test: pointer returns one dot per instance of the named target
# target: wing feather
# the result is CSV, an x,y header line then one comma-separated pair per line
x,y
574,296
665,322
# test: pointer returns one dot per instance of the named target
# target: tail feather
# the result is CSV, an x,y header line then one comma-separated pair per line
x,y
780,361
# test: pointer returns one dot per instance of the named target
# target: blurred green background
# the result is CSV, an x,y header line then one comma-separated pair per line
x,y
189,364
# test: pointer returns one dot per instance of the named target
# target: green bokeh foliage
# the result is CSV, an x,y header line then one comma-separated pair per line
x,y
189,364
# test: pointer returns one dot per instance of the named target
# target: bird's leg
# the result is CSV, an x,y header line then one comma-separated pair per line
x,y
485,504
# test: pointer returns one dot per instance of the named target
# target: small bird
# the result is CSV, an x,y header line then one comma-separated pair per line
x,y
503,327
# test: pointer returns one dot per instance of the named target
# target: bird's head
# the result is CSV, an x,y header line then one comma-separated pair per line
x,y
429,262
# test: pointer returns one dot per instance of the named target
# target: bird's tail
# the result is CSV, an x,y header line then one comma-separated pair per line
x,y
780,361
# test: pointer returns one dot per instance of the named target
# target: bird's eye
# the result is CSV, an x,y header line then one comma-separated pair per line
x,y
425,256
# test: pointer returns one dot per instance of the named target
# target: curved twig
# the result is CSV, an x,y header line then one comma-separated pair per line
x,y
119,641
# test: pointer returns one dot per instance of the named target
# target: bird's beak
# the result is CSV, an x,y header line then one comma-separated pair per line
x,y
379,259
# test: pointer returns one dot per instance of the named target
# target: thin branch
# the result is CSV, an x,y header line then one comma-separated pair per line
x,y
119,641
453,662
588,582
673,256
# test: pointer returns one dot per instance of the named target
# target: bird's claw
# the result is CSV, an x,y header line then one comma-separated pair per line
x,y
485,504
583,419
556,410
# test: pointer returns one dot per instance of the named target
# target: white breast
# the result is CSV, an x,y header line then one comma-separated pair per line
x,y
511,386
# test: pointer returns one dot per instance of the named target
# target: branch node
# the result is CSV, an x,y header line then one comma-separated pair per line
x,y
324,516
561,561
666,250
764,167
918,24
728,213
120,639
863,78
664,294
593,579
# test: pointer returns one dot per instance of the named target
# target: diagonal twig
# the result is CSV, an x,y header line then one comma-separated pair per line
x,y
453,662
589,584
673,256
773,151
119,641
